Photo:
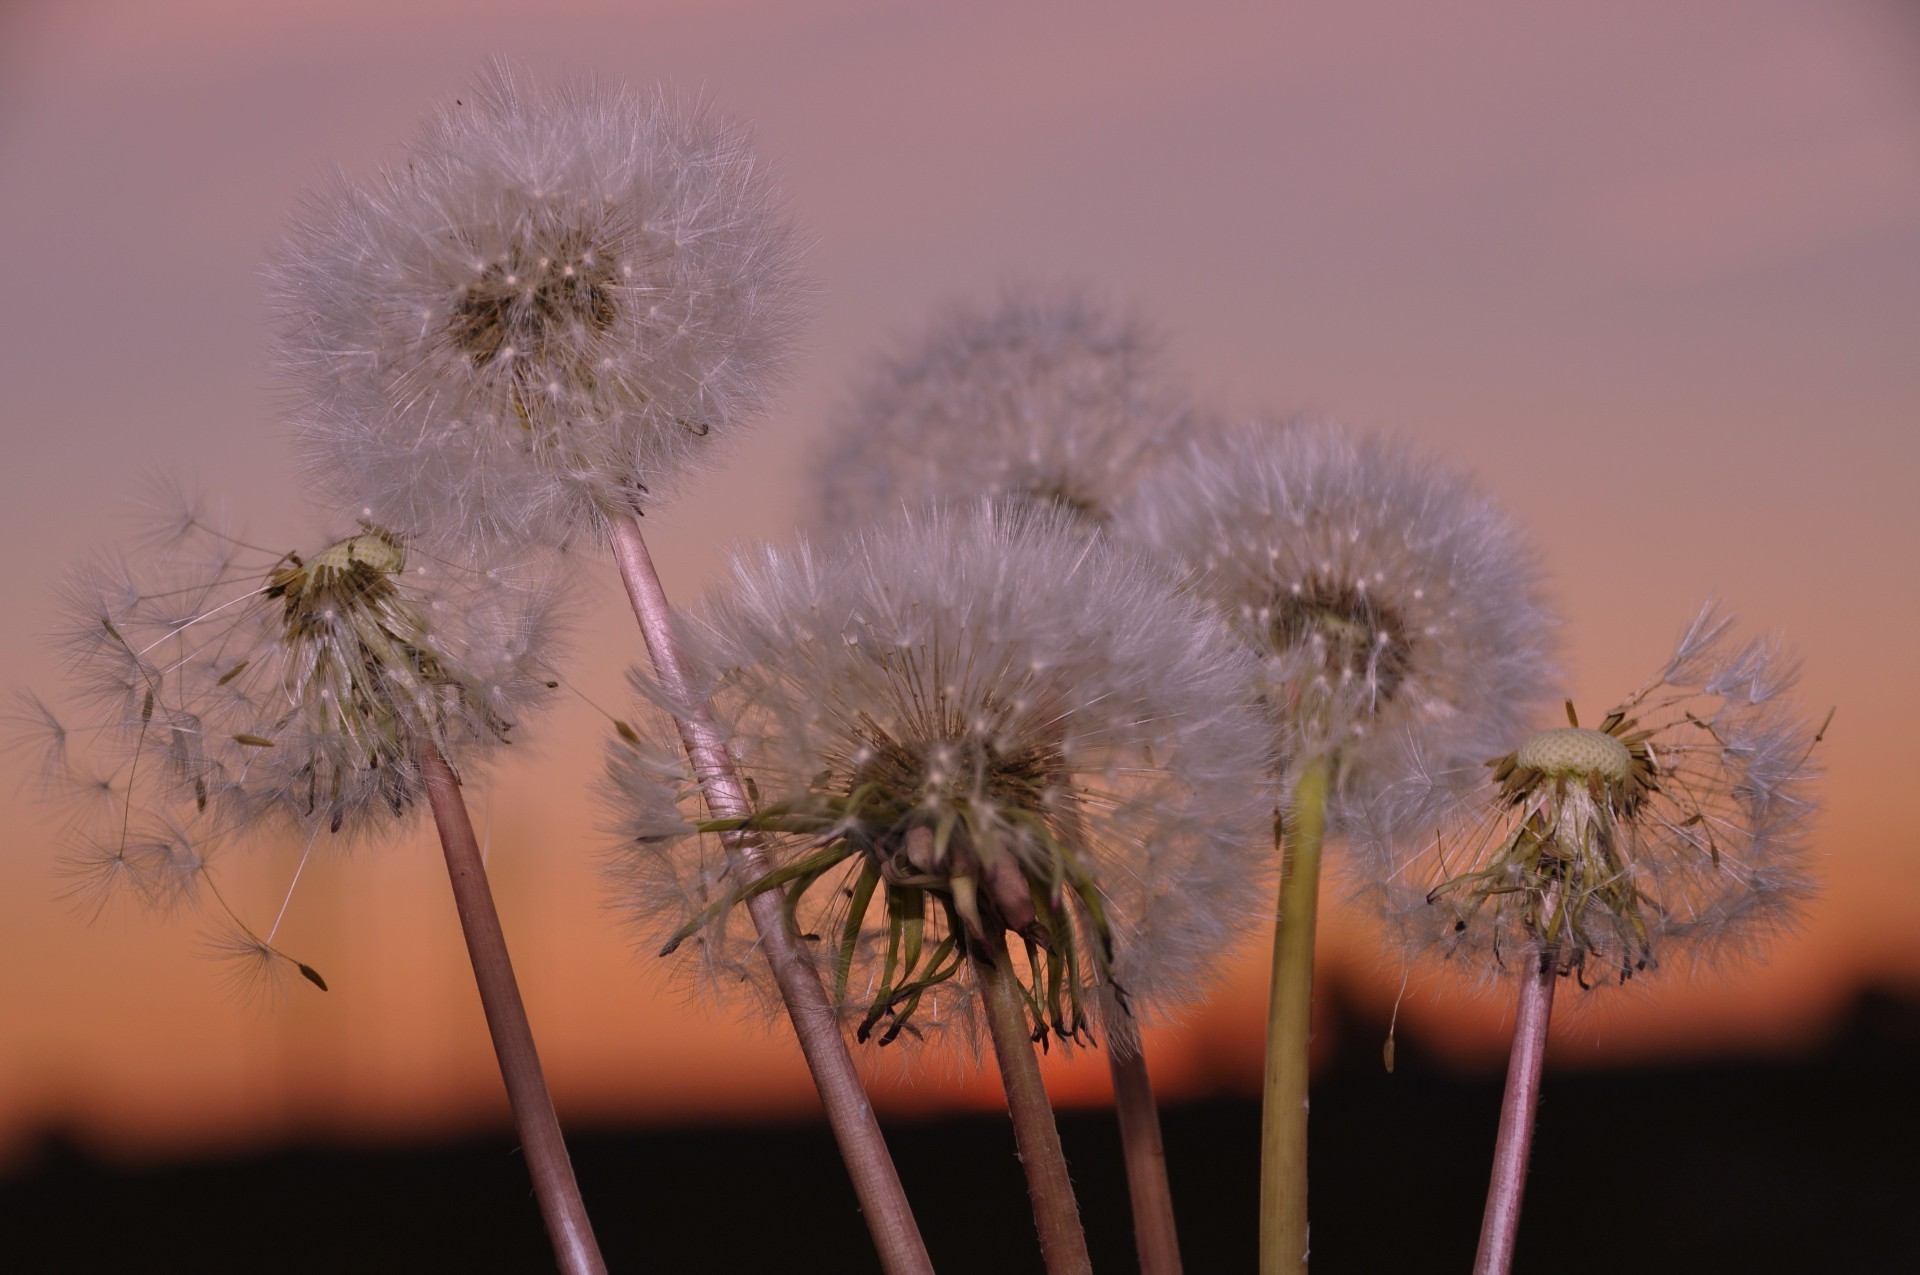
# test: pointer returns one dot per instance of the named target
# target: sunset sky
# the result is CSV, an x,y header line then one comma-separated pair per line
x,y
1652,272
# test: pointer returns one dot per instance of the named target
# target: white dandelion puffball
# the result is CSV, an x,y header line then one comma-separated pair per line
x,y
1045,399
1675,827
555,306
966,727
1395,611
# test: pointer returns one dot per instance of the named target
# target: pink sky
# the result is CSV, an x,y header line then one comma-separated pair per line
x,y
1652,272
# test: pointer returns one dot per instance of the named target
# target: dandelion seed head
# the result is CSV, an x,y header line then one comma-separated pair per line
x,y
1672,830
965,725
1394,611
560,303
1043,399
298,689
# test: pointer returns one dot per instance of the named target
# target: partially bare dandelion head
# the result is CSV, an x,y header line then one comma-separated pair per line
x,y
1673,827
559,304
1045,399
1394,610
225,691
301,688
964,727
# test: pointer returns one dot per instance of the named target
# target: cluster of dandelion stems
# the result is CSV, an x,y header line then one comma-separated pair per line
x,y
896,849
1565,863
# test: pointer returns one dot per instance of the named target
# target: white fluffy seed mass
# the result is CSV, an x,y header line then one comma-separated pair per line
x,y
1044,399
1696,851
1396,613
552,308
988,680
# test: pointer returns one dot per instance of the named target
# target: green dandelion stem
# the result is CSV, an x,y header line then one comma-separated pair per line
x,y
1056,1214
1283,1130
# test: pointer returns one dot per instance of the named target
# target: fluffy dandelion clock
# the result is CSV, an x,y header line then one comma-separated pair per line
x,y
1044,399
1394,609
558,303
1674,826
298,689
968,725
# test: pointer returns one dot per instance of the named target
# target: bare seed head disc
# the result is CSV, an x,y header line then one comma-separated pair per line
x,y
1572,751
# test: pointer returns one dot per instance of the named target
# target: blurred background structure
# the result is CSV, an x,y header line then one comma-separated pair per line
x,y
1651,271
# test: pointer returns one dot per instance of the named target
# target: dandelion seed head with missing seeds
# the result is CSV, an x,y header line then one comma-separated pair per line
x,y
1045,398
224,692
1394,609
967,724
296,689
1673,828
557,305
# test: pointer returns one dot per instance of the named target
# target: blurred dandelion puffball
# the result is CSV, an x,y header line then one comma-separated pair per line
x,y
1045,399
558,304
235,692
1396,613
966,724
1674,827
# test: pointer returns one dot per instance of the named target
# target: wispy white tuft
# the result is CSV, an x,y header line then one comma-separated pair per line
x,y
1395,611
1673,828
963,725
557,304
1045,399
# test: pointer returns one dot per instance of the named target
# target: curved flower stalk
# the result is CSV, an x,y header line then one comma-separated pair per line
x,y
1044,398
965,730
558,304
323,694
1673,829
1396,614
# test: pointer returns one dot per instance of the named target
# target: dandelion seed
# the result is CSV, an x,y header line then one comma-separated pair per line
x,y
557,305
1043,399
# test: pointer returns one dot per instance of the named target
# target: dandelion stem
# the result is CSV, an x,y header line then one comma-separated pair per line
x,y
1154,1235
533,1115
1056,1213
896,1237
1501,1222
1283,1130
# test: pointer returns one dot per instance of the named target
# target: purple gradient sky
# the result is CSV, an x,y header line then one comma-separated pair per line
x,y
1652,271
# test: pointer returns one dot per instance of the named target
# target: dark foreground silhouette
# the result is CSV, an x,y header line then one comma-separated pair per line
x,y
1779,1165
